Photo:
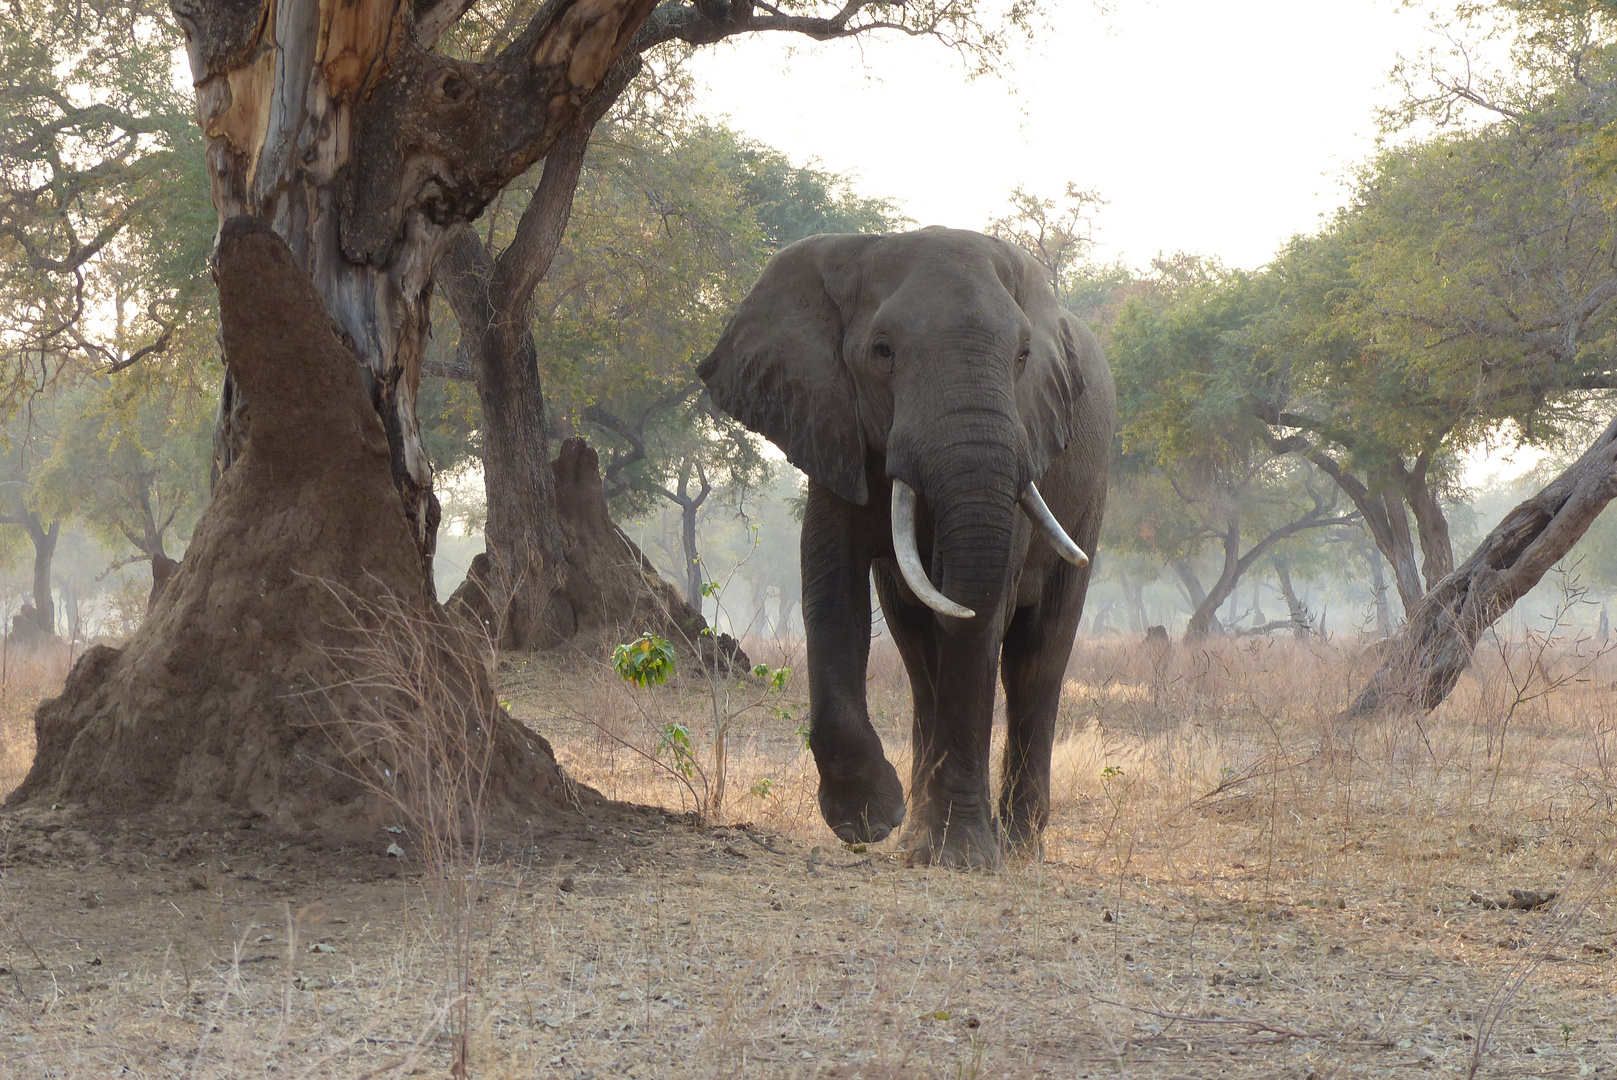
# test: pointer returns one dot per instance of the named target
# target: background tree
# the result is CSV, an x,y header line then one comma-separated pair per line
x,y
670,224
1503,289
130,459
101,248
27,440
1182,418
1058,233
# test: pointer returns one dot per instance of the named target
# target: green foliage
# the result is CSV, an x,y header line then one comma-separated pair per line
x,y
105,219
1182,383
774,678
791,202
1467,290
130,458
676,739
645,660
1196,460
672,225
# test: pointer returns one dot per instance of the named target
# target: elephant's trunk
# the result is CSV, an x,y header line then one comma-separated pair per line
x,y
971,491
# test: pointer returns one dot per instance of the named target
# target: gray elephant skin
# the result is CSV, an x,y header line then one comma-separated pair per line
x,y
924,381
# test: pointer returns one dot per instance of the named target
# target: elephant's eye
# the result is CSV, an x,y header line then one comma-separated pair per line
x,y
1021,358
883,351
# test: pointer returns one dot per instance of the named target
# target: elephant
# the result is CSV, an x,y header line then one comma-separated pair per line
x,y
929,384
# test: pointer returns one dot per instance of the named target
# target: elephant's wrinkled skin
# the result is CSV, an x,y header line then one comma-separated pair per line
x,y
941,359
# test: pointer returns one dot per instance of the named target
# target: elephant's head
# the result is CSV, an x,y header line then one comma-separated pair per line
x,y
940,352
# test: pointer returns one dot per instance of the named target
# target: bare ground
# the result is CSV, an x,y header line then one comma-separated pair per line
x,y
1230,888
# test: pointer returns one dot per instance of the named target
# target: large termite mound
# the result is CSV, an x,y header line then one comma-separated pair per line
x,y
606,590
232,692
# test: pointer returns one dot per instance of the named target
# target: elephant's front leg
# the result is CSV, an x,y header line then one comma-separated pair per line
x,y
861,797
953,825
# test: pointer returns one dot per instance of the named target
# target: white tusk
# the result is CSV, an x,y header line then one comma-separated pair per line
x,y
1037,512
909,557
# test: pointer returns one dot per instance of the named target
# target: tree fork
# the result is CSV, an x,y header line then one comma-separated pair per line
x,y
491,295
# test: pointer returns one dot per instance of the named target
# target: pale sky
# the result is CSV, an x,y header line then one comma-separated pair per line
x,y
1215,128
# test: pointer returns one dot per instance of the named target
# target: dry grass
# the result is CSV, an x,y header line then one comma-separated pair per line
x,y
1231,887
28,675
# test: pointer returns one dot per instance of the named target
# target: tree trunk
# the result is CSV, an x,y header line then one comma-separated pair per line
x,y
1399,547
1426,659
1134,601
1203,620
148,536
609,589
491,295
366,152
1437,552
37,617
1382,515
693,558
1378,590
44,538
1296,610
1194,592
688,506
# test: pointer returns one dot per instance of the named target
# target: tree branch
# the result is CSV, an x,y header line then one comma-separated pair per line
x,y
441,137
525,261
456,369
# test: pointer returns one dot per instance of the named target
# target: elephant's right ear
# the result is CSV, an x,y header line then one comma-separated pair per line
x,y
778,367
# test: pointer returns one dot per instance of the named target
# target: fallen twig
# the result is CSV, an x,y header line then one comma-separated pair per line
x,y
763,843
815,860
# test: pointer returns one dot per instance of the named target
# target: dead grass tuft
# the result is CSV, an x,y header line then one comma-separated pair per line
x,y
28,675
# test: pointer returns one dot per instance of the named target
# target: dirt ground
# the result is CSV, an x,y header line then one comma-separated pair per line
x,y
1230,888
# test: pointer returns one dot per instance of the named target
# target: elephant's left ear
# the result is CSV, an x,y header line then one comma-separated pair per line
x,y
1047,393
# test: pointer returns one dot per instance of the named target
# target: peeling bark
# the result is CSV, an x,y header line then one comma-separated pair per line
x,y
337,126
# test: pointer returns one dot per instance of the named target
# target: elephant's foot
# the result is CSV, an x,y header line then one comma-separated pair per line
x,y
865,807
963,841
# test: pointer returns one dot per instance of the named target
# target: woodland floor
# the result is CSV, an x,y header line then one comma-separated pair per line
x,y
1229,889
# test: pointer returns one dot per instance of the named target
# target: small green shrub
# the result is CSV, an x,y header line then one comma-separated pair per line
x,y
645,660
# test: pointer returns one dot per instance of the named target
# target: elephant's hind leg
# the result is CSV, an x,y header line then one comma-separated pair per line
x,y
1033,662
